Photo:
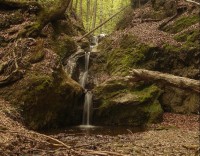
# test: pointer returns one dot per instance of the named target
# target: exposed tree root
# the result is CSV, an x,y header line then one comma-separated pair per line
x,y
4,65
14,76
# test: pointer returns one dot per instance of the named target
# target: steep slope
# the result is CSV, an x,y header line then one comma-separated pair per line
x,y
32,76
162,38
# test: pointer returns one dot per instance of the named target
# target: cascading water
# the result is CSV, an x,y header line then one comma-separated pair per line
x,y
83,79
87,111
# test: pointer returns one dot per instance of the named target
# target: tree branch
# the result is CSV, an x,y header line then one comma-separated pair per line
x,y
193,2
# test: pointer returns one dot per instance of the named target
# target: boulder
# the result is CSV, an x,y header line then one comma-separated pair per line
x,y
119,102
180,101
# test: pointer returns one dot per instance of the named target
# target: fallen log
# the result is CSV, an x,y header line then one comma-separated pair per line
x,y
19,5
177,81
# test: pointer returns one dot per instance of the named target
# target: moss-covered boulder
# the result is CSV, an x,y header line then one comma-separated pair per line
x,y
47,100
64,46
180,101
119,102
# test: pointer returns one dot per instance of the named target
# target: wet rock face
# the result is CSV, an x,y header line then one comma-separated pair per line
x,y
120,102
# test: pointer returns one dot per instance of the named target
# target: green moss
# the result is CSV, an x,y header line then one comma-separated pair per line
x,y
171,48
50,101
129,106
128,41
156,112
37,56
129,55
182,24
190,36
147,93
65,46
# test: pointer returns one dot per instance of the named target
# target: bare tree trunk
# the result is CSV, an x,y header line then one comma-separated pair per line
x,y
101,16
88,15
95,14
76,6
81,8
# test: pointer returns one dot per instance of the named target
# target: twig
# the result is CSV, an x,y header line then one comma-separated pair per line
x,y
130,131
193,2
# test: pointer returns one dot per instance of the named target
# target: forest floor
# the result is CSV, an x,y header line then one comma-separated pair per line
x,y
176,135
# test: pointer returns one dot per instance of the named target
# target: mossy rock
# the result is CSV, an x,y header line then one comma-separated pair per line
x,y
126,103
181,24
64,46
180,101
129,54
51,101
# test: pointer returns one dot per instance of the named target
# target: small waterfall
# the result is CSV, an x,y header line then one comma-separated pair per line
x,y
87,111
83,79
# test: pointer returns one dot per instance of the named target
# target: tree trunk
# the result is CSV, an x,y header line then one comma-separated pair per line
x,y
101,16
95,14
46,15
180,82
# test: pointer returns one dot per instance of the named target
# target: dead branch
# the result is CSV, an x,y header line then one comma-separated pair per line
x,y
180,82
194,2
76,150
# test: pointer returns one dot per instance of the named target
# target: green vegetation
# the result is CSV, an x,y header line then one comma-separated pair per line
x,y
189,36
130,52
181,24
64,46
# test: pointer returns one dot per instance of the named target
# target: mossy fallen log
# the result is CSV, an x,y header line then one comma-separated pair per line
x,y
180,82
